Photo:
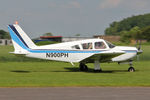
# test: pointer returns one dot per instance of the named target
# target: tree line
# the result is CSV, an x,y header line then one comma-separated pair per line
x,y
135,27
4,35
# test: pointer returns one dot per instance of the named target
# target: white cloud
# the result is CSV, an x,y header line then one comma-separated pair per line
x,y
110,3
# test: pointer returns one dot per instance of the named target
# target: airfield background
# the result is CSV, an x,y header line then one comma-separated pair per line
x,y
20,71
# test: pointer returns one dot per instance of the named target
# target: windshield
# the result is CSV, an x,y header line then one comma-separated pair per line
x,y
110,44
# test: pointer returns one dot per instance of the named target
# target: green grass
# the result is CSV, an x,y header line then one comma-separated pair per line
x,y
27,72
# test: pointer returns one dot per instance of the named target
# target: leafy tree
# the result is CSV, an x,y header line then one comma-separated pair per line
x,y
78,35
4,35
125,36
113,29
134,33
127,24
145,34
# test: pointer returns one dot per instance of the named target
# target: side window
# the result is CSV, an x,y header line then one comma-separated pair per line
x,y
75,47
100,45
87,45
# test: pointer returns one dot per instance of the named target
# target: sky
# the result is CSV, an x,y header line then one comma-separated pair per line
x,y
68,17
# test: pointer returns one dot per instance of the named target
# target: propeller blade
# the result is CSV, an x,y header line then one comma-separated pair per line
x,y
139,48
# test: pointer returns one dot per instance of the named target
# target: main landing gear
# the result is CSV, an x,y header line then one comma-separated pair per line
x,y
97,67
83,67
131,69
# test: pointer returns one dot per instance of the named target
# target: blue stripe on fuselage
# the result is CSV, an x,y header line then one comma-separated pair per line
x,y
61,51
69,51
130,51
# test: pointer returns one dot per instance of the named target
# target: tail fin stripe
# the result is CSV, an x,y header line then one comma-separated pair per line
x,y
16,32
16,38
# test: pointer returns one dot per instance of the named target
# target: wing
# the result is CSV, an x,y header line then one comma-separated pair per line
x,y
105,56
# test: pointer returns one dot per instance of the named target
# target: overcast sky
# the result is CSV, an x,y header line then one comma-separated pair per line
x,y
68,17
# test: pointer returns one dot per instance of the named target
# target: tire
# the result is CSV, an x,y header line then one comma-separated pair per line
x,y
131,69
83,67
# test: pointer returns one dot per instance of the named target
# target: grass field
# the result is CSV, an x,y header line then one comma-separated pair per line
x,y
27,72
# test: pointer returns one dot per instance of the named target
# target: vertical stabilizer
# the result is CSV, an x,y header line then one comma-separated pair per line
x,y
27,40
21,42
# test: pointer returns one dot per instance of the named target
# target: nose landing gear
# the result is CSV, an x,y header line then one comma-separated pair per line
x,y
131,69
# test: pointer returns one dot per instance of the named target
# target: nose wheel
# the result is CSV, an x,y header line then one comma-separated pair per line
x,y
131,69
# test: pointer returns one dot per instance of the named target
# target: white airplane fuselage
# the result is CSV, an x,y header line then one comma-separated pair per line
x,y
67,55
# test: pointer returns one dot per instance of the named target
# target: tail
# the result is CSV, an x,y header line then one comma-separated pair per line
x,y
21,42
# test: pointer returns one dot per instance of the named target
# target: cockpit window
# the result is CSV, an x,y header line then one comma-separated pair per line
x,y
75,47
110,44
100,45
87,45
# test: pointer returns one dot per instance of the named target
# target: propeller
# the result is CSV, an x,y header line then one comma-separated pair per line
x,y
139,51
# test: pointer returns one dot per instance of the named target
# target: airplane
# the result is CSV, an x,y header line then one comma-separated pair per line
x,y
82,51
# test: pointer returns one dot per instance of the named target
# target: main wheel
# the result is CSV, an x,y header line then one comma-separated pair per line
x,y
83,67
131,69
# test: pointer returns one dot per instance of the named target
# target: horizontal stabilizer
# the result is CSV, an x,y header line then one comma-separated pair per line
x,y
18,53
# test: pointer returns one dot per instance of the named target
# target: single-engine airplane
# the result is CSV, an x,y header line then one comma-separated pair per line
x,y
83,51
